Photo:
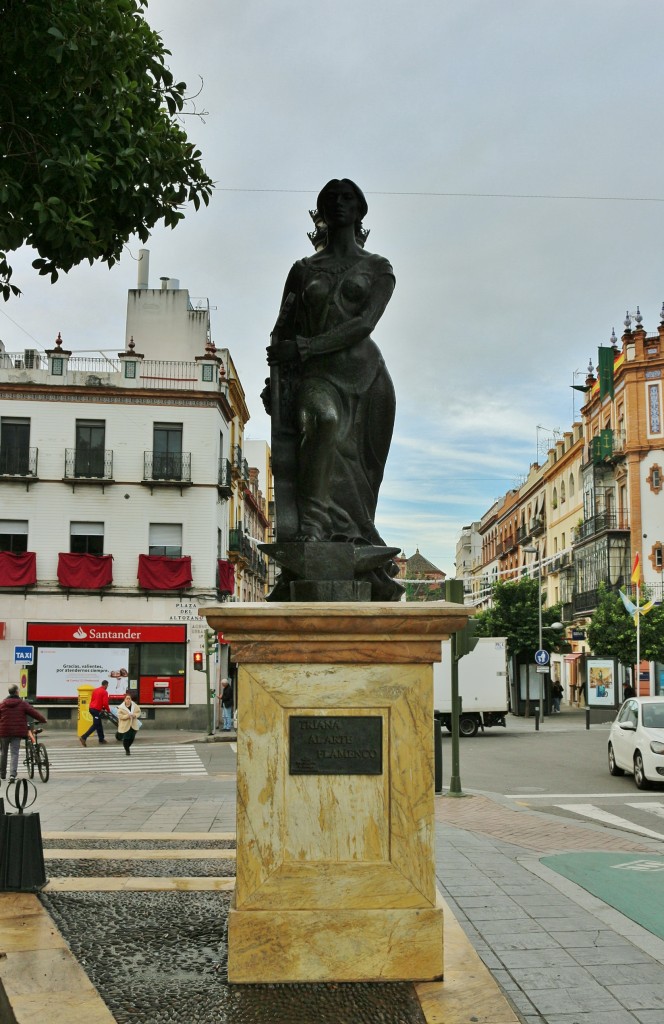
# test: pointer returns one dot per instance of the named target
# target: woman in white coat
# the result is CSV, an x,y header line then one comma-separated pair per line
x,y
128,722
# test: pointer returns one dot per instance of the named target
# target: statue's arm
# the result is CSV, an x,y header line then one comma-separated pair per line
x,y
356,329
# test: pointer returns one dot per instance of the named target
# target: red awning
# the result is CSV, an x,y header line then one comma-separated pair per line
x,y
572,657
157,572
226,575
85,572
18,569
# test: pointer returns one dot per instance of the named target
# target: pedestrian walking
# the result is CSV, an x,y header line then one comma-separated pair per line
x,y
98,703
226,701
14,714
129,723
629,691
556,694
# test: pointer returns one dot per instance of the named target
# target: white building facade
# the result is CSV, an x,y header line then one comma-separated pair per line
x,y
122,489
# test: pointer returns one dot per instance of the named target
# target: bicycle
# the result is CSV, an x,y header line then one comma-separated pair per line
x,y
35,753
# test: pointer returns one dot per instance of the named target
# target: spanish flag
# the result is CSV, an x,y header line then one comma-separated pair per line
x,y
636,570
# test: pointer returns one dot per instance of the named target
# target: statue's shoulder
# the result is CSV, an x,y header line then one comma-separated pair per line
x,y
379,265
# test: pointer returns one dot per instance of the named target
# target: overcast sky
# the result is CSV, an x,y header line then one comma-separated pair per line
x,y
457,118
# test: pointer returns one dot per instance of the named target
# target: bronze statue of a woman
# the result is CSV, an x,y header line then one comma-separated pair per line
x,y
331,398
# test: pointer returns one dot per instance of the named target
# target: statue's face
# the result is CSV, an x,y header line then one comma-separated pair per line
x,y
341,205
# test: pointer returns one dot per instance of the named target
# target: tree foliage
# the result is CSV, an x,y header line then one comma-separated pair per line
x,y
612,633
92,148
514,614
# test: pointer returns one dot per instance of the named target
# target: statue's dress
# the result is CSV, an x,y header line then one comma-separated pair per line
x,y
336,307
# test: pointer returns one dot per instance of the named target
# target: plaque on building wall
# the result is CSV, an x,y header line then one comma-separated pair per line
x,y
336,745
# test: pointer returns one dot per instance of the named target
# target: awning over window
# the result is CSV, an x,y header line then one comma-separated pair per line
x,y
84,572
572,657
157,572
226,575
18,569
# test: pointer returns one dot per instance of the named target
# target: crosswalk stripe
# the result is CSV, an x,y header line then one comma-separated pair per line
x,y
152,759
652,807
597,814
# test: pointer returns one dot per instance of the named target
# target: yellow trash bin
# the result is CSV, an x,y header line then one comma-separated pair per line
x,y
84,716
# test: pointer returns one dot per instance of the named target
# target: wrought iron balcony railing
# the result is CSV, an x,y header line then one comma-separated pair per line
x,y
18,462
88,465
165,467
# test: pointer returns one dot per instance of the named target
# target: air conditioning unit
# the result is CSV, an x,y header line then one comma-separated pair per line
x,y
30,358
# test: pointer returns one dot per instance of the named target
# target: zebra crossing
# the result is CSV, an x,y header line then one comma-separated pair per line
x,y
644,809
146,759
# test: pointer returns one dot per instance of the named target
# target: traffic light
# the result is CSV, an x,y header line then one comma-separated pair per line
x,y
198,662
211,642
466,641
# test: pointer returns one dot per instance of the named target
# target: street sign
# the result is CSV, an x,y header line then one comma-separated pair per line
x,y
543,669
23,655
541,657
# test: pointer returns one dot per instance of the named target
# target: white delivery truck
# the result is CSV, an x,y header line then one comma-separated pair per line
x,y
483,685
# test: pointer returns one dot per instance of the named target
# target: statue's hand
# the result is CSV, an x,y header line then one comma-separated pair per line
x,y
266,397
284,351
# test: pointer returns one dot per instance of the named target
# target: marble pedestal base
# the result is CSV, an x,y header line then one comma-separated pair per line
x,y
335,872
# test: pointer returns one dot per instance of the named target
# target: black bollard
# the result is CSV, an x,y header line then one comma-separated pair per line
x,y
438,751
21,849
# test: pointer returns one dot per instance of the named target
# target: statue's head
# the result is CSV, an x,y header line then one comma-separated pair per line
x,y
340,201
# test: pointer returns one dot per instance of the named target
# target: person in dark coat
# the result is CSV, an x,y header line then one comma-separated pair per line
x,y
14,714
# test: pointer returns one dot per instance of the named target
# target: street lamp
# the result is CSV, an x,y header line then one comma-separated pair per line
x,y
554,625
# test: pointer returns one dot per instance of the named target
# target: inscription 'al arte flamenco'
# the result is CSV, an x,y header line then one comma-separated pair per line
x,y
343,745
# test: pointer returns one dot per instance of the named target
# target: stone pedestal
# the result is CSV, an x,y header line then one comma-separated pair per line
x,y
335,835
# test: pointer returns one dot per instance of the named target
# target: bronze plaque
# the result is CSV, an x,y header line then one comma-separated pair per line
x,y
336,745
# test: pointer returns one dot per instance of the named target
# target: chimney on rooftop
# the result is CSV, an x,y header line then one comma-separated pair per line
x,y
143,268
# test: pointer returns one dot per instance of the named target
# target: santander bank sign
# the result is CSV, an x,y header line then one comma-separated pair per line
x,y
104,632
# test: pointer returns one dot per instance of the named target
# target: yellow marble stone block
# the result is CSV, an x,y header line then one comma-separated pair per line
x,y
341,945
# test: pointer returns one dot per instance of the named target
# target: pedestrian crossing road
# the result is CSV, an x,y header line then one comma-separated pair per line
x,y
643,816
146,759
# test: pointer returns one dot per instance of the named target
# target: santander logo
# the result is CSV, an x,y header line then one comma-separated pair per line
x,y
80,634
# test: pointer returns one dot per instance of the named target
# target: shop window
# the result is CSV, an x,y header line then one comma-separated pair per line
x,y
14,535
14,446
86,538
165,539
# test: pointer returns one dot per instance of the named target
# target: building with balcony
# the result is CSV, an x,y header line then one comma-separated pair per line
x,y
121,494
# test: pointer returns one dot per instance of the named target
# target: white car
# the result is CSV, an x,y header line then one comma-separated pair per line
x,y
636,741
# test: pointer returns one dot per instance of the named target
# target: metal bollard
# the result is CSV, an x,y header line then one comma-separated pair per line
x,y
438,751
587,718
21,849
537,718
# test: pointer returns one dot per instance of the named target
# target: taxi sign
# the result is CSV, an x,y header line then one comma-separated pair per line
x,y
23,655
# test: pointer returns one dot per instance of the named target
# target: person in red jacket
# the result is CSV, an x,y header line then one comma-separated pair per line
x,y
14,713
98,703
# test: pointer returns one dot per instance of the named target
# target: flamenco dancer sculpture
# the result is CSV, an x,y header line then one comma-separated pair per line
x,y
332,405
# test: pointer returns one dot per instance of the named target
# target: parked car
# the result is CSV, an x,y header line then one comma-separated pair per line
x,y
636,741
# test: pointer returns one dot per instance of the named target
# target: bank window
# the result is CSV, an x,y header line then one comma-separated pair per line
x,y
14,535
14,446
86,538
162,659
166,539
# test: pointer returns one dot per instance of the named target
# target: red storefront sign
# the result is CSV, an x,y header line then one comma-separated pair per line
x,y
104,633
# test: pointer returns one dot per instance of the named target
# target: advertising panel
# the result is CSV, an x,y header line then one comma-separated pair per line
x,y
602,679
61,670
